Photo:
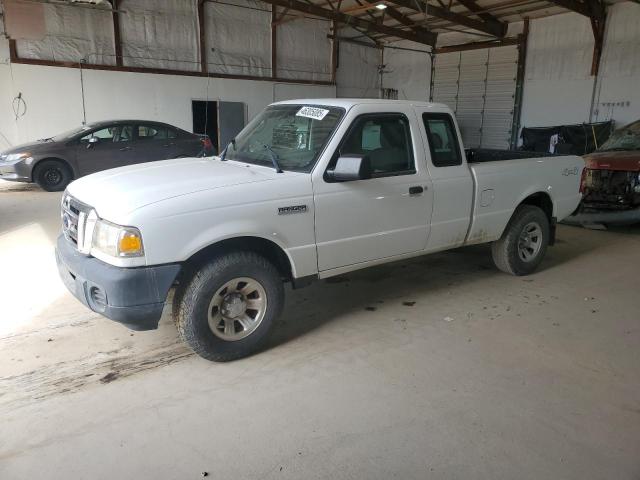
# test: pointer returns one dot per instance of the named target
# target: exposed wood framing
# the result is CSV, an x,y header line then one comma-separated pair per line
x,y
496,29
116,32
274,41
503,42
204,67
334,50
598,21
162,71
517,103
428,38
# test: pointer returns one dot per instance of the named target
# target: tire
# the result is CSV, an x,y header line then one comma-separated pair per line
x,y
200,306
517,252
52,175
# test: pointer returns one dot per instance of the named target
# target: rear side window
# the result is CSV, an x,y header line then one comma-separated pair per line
x,y
443,142
153,132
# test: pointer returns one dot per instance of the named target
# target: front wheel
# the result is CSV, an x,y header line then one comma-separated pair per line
x,y
227,310
524,242
52,175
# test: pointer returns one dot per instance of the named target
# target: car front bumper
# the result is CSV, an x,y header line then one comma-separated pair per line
x,y
15,171
132,296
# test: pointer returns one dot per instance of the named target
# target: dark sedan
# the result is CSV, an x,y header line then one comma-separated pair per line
x,y
54,162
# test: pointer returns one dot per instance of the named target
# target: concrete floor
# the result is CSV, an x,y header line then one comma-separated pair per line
x,y
438,368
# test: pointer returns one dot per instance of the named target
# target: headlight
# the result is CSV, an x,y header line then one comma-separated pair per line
x,y
15,156
117,241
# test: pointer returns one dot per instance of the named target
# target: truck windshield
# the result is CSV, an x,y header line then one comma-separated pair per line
x,y
627,138
296,133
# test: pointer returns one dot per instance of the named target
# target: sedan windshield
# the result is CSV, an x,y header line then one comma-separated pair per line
x,y
295,133
71,133
627,138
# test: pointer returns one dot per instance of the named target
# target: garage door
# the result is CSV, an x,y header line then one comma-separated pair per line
x,y
480,87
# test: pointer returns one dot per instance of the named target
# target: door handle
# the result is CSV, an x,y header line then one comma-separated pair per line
x,y
124,149
416,190
169,145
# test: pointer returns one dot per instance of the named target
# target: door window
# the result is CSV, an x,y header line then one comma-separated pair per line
x,y
153,132
443,142
386,139
115,133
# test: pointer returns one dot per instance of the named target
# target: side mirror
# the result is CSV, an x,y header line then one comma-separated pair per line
x,y
350,168
92,141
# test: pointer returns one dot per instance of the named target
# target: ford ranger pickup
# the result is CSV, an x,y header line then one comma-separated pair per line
x,y
309,189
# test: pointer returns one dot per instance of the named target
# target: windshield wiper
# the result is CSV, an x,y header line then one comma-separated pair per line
x,y
223,155
274,158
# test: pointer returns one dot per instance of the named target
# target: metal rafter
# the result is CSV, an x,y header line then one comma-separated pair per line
x,y
472,6
575,6
424,37
497,29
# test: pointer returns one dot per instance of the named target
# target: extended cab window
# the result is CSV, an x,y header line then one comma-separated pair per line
x,y
386,139
443,142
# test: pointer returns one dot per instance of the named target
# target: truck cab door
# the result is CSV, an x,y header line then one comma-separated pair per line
x,y
388,215
451,177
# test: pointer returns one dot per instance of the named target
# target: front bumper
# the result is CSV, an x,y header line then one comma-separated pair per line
x,y
612,217
16,172
132,296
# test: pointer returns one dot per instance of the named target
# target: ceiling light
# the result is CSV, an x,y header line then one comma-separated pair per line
x,y
381,6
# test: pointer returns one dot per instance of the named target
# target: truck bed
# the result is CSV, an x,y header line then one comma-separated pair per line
x,y
480,155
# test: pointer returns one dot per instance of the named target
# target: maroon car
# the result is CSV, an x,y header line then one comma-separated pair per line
x,y
54,162
611,181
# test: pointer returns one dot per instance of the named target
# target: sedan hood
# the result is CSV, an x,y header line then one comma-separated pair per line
x,y
31,147
122,190
627,161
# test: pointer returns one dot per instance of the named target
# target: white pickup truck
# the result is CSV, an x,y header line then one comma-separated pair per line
x,y
309,189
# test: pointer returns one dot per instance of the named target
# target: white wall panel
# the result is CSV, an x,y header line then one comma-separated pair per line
x,y
238,37
409,72
304,51
357,74
558,85
160,34
292,91
54,101
618,92
72,34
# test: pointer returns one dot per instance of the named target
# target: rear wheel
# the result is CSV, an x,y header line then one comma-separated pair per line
x,y
227,310
523,243
52,175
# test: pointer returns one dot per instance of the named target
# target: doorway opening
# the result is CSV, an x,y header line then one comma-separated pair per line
x,y
205,120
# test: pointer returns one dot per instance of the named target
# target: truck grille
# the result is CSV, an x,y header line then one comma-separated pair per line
x,y
74,214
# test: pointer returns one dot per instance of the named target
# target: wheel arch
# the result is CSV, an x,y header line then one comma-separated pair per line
x,y
267,248
541,200
544,202
65,162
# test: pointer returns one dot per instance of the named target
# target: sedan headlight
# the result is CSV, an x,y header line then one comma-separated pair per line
x,y
12,157
117,241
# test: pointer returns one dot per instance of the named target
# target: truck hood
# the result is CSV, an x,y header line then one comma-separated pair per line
x,y
120,191
628,161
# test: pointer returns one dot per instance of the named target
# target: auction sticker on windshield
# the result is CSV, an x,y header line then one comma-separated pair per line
x,y
312,112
